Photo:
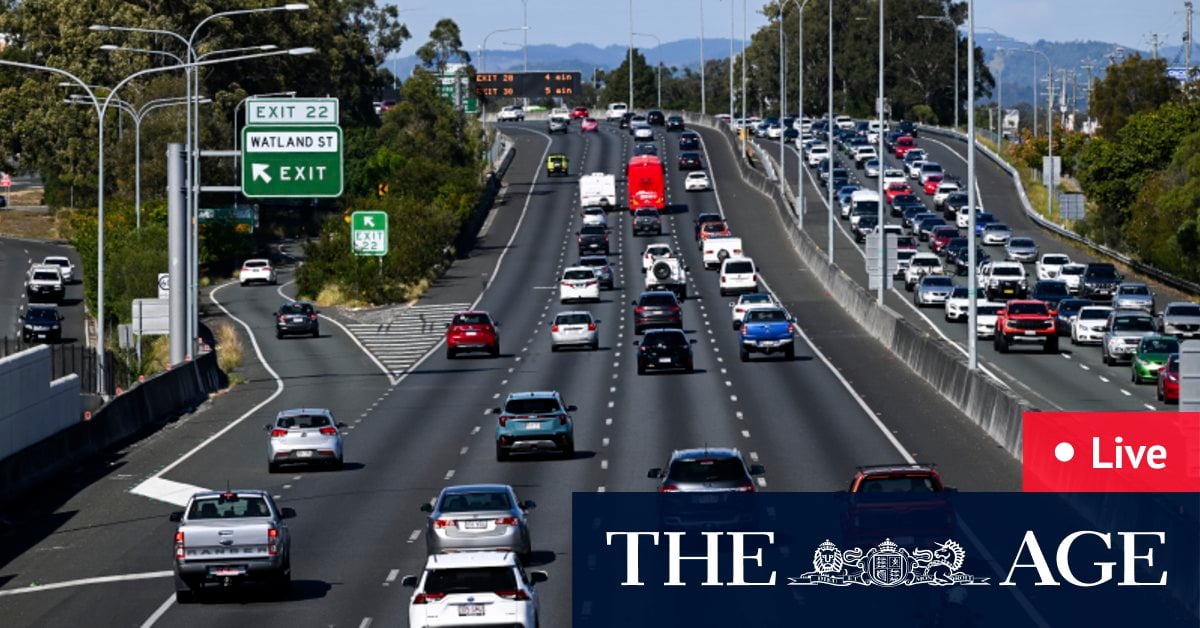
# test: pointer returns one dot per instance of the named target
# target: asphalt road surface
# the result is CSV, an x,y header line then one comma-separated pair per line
x,y
16,255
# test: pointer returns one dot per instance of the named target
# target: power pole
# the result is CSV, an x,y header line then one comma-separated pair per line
x,y
1187,38
1074,97
1154,44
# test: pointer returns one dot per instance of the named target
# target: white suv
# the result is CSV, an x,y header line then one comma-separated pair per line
x,y
474,588
1050,266
257,270
738,274
561,113
615,111
579,283
65,267
511,113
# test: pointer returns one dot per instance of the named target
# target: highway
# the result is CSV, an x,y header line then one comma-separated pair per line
x,y
1074,379
844,401
16,255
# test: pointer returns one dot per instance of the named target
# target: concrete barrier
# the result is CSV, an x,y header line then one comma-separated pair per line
x,y
995,409
141,409
33,406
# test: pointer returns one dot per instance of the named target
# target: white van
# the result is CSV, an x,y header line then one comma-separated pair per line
x,y
615,111
738,274
856,198
598,190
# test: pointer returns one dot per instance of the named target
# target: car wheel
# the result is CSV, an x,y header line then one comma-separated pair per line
x,y
281,584
568,452
272,467
316,333
1051,345
496,350
184,592
595,346
744,355
451,353
278,335
641,370
337,465
1001,343
1108,361
1074,340
243,284
501,454
789,354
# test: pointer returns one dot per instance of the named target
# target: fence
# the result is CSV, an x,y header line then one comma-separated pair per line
x,y
78,359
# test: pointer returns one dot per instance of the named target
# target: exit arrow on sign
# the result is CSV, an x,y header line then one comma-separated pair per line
x,y
260,172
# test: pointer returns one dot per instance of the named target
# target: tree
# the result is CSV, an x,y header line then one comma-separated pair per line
x,y
616,82
1133,86
444,45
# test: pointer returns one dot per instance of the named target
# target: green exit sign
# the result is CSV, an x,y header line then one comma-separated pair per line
x,y
289,161
369,233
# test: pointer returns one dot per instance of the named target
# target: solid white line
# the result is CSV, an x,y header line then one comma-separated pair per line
x,y
279,290
38,588
258,352
162,610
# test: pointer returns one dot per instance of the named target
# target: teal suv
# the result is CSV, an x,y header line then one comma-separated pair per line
x,y
534,422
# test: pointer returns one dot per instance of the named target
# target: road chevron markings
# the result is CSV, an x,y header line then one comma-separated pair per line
x,y
399,343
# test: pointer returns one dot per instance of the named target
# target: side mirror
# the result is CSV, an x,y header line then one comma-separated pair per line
x,y
634,343
633,302
342,425
596,321
495,410
446,326
176,516
496,324
654,473
409,581
528,504
426,508
267,427
692,340
538,576
287,513
572,408
757,469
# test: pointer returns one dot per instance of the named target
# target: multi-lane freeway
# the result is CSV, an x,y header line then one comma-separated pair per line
x,y
16,256
104,535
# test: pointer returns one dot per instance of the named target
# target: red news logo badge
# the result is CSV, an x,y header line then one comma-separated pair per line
x,y
1119,452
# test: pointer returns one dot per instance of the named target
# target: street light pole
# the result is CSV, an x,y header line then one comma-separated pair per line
x,y
525,38
732,4
829,134
630,109
744,130
972,193
800,208
884,277
703,99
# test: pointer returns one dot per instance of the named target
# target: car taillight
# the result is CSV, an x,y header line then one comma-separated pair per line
x,y
565,284
562,419
591,327
579,238
329,431
668,488
554,329
722,278
639,309
442,523
739,310
312,317
282,318
503,421
792,328
744,487
517,595
179,544
425,598
673,309
506,521
272,541
278,433
266,268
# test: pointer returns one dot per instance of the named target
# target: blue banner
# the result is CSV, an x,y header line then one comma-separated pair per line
x,y
926,560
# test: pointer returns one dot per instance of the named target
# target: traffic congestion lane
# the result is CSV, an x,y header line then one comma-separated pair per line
x,y
16,256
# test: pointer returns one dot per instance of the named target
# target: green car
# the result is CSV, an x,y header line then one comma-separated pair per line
x,y
1150,356
556,165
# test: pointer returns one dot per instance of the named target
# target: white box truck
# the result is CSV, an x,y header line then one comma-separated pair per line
x,y
598,190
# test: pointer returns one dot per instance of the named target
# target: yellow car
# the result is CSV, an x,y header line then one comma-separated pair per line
x,y
556,165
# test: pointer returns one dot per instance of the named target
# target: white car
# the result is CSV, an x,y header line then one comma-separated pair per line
x,y
996,234
574,329
944,189
745,302
643,132
653,251
958,304
1051,264
696,181
615,111
1072,274
738,274
920,265
930,169
864,152
963,217
65,267
579,283
257,270
914,168
561,113
985,318
511,113
595,216
892,175
844,122
816,154
1089,324
717,250
484,588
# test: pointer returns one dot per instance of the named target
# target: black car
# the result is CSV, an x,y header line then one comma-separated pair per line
x,y
1099,282
675,123
690,161
866,224
656,309
907,128
643,148
962,263
840,180
625,120
655,117
592,239
689,140
953,246
297,317
41,323
1067,310
953,203
905,201
909,213
647,220
664,349
1050,291
702,219
889,140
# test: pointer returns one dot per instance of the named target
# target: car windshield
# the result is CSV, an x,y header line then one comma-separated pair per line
x,y
866,207
714,226
917,484
1133,323
474,501
1056,260
229,507
579,274
739,267
43,275
697,175
1094,314
296,308
757,297
470,580
1051,289
303,421
1103,273
41,315
665,339
532,405
471,319
572,319
646,213
707,470
1160,345
657,300
1133,290
254,263
1006,271
1184,310
995,227
57,261
658,251
1020,243
593,230
960,292
766,316
1070,306
939,282
594,211
989,310
925,261
1028,308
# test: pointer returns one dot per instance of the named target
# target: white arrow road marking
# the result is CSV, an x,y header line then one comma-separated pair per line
x,y
259,171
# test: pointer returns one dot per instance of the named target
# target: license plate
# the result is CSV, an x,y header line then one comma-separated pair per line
x,y
1030,332
708,499
472,333
1009,291
227,571
664,360
297,319
536,425
304,453
474,525
470,610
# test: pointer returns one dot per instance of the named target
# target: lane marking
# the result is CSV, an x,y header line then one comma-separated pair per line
x,y
163,490
128,577
415,535
160,611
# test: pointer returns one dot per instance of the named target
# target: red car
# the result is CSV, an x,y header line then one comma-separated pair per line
x,y
1025,321
579,112
903,145
906,243
472,331
908,497
940,236
716,228
1168,380
589,125
895,189
931,184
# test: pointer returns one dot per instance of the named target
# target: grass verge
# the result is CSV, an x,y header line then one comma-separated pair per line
x,y
230,352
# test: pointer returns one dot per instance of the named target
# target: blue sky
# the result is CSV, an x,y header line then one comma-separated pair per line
x,y
604,22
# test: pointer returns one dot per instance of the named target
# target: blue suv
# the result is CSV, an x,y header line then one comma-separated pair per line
x,y
534,422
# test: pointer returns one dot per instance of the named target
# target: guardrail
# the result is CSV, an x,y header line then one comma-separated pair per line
x,y
1162,276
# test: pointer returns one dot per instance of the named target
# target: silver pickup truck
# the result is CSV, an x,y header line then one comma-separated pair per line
x,y
228,537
